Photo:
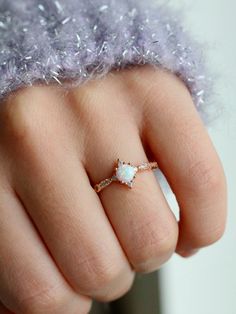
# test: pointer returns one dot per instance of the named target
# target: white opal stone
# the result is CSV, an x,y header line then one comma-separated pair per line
x,y
125,173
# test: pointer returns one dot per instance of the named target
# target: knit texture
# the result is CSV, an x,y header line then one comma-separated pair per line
x,y
69,42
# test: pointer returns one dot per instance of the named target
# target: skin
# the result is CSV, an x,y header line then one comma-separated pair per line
x,y
61,243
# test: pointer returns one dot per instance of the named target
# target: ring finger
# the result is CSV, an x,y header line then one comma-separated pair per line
x,y
141,218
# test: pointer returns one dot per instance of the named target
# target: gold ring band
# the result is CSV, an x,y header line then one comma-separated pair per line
x,y
125,173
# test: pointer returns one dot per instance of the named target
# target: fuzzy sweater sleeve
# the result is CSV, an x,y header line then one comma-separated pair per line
x,y
63,41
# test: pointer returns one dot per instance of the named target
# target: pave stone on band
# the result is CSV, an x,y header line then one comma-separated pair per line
x,y
125,173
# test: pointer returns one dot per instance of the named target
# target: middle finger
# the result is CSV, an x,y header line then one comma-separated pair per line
x,y
71,220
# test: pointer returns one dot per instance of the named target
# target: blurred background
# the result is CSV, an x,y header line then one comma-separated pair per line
x,y
206,283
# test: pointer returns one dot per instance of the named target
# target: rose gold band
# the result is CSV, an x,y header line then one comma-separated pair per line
x,y
114,178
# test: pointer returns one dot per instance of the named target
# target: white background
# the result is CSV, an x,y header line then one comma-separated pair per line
x,y
206,283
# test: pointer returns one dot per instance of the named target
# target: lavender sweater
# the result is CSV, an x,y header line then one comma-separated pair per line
x,y
61,41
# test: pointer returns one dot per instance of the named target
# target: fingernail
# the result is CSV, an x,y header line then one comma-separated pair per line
x,y
188,253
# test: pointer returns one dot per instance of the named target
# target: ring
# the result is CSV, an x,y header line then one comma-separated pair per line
x,y
125,173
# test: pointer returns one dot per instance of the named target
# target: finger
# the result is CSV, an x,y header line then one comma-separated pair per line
x,y
186,155
30,281
72,222
55,189
141,218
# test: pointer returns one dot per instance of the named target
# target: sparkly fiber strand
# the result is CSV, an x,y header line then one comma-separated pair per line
x,y
70,42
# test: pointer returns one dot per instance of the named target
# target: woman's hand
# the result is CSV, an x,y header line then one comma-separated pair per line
x,y
61,241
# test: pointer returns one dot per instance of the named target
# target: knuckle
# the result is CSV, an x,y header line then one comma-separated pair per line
x,y
111,290
18,117
153,245
209,236
216,234
106,287
104,281
163,83
82,308
205,176
24,112
43,300
106,277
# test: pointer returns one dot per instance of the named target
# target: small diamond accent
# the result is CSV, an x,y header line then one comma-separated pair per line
x,y
143,166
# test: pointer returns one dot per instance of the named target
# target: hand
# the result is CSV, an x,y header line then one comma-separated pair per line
x,y
61,243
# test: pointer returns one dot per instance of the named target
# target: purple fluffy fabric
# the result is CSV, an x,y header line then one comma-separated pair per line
x,y
48,41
